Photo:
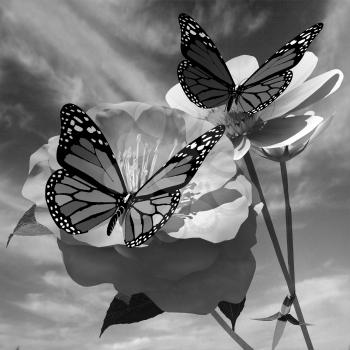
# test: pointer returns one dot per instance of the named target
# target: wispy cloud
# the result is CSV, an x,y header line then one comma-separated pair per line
x,y
54,310
137,343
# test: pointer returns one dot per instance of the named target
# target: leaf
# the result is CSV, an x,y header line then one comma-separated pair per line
x,y
139,308
269,318
28,226
279,330
292,320
231,310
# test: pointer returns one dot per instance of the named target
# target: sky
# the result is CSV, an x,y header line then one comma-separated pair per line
x,y
93,51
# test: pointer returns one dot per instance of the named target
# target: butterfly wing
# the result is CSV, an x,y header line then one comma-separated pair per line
x,y
200,86
253,91
181,168
157,199
258,96
147,216
204,76
85,152
76,205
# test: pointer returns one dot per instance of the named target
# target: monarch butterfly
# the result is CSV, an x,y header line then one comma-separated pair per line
x,y
90,188
207,82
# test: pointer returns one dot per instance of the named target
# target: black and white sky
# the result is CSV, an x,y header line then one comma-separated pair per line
x,y
92,51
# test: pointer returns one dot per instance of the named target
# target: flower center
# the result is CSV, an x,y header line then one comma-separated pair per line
x,y
241,123
137,164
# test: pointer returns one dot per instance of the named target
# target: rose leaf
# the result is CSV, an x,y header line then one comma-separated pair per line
x,y
139,308
231,310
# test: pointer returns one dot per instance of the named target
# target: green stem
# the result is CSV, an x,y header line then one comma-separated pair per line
x,y
271,229
289,224
230,332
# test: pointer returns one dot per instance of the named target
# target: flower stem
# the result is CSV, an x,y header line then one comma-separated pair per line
x,y
271,229
230,332
289,224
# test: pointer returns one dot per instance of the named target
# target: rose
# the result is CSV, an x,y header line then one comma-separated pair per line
x,y
201,256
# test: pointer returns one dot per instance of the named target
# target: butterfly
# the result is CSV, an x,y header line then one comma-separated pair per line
x,y
207,82
90,188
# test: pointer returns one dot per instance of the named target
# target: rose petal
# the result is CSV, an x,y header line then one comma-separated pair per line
x,y
34,187
221,212
242,67
52,150
90,266
176,98
173,275
199,293
132,109
126,267
149,128
281,132
306,94
174,260
38,156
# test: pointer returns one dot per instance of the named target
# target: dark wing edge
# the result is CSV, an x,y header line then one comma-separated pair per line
x,y
84,151
77,206
197,47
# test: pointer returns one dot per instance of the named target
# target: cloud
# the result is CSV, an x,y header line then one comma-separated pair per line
x,y
55,310
40,250
136,343
254,22
57,280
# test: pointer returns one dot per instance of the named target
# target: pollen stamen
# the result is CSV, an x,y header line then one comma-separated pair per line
x,y
137,165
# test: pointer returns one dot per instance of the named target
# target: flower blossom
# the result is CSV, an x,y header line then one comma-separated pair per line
x,y
201,256
283,154
277,125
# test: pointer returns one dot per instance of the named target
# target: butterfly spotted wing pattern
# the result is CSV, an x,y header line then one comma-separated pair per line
x,y
157,199
258,96
84,151
286,57
275,70
204,76
76,205
197,46
207,82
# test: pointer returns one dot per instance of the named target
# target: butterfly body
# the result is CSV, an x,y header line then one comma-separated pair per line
x,y
208,83
90,188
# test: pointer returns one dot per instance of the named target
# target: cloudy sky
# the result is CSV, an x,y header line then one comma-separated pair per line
x,y
93,51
